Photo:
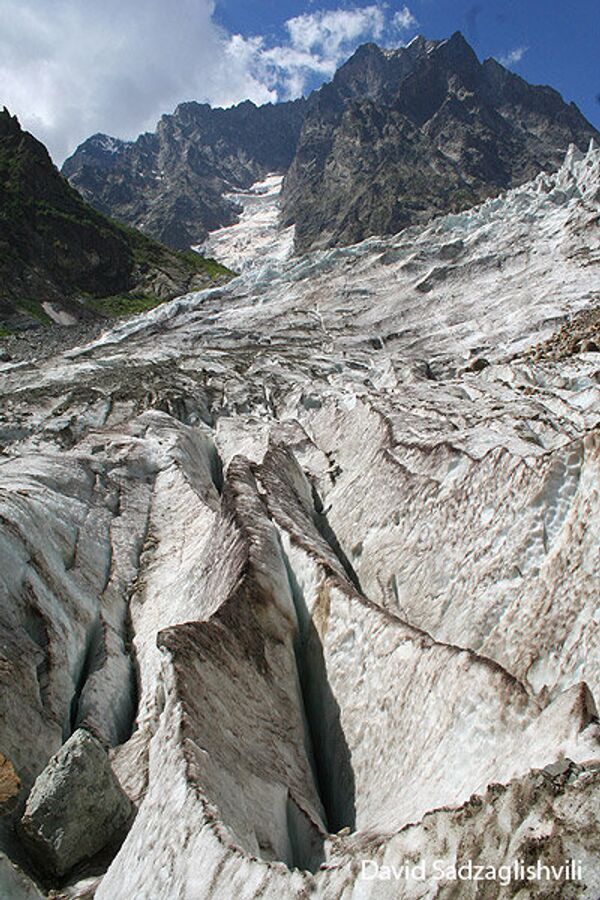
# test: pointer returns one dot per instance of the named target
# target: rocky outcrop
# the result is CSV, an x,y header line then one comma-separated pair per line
x,y
326,594
581,334
172,184
63,262
400,136
76,806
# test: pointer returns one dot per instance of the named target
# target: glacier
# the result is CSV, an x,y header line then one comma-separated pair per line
x,y
314,554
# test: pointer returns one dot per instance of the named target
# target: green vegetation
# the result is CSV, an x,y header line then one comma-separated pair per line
x,y
34,309
4,332
204,264
124,304
148,253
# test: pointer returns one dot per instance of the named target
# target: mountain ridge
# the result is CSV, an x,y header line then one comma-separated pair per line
x,y
396,137
172,183
437,131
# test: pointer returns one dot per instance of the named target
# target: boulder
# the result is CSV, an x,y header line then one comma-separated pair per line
x,y
590,346
76,806
478,364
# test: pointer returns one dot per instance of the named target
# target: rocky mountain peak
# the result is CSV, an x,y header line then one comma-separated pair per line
x,y
418,46
457,45
173,183
397,136
105,143
9,124
400,136
373,73
98,151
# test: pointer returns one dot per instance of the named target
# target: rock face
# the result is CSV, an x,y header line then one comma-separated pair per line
x,y
580,334
76,806
328,594
172,183
61,261
399,136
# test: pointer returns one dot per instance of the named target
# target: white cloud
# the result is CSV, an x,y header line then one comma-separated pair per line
x,y
328,32
404,19
69,68
320,41
513,56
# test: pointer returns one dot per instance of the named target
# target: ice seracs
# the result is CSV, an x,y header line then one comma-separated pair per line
x,y
327,590
256,239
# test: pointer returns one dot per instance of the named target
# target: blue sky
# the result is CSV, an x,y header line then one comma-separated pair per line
x,y
71,68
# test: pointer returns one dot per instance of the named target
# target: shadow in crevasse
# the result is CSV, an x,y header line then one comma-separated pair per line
x,y
329,536
327,748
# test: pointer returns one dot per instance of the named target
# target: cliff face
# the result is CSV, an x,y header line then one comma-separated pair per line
x,y
399,136
57,250
171,184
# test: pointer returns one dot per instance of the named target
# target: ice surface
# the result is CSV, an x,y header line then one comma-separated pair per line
x,y
304,497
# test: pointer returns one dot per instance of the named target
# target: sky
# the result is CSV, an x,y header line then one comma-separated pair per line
x,y
71,68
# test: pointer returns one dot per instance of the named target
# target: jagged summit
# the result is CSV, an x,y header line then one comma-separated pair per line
x,y
98,151
105,142
398,137
417,48
9,124
173,183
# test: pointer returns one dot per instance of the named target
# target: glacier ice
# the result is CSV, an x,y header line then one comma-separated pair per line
x,y
327,590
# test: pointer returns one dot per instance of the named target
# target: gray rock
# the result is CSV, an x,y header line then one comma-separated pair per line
x,y
478,364
76,806
14,884
590,346
560,767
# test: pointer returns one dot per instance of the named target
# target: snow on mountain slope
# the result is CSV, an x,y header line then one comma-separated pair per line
x,y
316,555
256,238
